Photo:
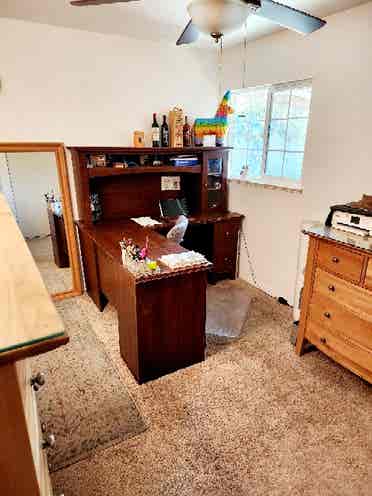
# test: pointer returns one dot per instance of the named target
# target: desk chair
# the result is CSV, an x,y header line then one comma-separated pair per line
x,y
178,231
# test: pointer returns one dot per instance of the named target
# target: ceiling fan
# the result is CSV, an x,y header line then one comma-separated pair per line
x,y
219,17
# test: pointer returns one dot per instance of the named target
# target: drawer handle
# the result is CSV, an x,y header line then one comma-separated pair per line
x,y
49,441
327,315
37,381
335,260
323,340
331,288
227,234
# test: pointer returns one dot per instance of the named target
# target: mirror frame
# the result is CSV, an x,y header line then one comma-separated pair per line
x,y
63,178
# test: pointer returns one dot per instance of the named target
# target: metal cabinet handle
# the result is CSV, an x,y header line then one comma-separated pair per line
x,y
327,315
331,288
227,234
323,340
37,381
49,441
335,260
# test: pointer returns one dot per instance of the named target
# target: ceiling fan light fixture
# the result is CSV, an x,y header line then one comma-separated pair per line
x,y
218,16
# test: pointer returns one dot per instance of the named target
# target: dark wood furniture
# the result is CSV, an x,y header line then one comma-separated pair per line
x,y
162,317
336,311
59,239
136,191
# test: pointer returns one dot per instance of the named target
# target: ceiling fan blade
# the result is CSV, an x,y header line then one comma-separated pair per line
x,y
289,17
83,3
189,34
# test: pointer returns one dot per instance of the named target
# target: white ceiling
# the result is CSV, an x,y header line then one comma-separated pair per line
x,y
159,20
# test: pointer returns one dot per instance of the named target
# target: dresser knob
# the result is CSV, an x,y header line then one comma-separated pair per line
x,y
331,288
327,315
335,259
227,234
323,340
49,441
37,381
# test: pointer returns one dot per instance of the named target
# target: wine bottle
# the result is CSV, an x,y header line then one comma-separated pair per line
x,y
155,132
186,133
164,132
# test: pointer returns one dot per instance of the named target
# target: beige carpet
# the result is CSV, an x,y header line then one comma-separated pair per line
x,y
55,279
84,403
253,419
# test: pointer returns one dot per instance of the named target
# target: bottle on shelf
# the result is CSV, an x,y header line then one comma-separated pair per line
x,y
164,133
186,133
155,132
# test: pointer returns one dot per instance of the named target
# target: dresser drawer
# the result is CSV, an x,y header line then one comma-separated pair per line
x,y
333,316
354,298
339,348
341,261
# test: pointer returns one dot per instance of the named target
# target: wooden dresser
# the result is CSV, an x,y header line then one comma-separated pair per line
x,y
336,310
29,325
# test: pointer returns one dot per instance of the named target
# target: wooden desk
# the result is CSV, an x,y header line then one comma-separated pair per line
x,y
29,325
162,316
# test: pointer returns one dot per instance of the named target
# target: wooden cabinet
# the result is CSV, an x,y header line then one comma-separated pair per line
x,y
214,191
225,247
23,457
33,326
336,311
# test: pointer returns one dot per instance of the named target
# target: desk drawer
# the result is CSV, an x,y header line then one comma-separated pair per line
x,y
338,348
335,317
225,246
341,261
354,298
368,281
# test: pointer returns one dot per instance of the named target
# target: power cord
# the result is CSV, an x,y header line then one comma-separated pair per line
x,y
249,257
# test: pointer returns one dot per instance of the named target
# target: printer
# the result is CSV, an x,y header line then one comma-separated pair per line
x,y
354,217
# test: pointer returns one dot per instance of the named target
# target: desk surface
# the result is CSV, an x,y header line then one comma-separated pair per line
x,y
108,234
30,323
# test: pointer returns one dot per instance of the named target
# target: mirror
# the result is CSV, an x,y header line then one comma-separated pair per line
x,y
34,180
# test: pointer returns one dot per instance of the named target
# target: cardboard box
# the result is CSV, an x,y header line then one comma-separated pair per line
x,y
176,128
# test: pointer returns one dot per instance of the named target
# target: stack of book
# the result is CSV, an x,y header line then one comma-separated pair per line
x,y
184,160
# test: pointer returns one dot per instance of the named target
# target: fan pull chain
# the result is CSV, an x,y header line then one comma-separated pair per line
x,y
220,66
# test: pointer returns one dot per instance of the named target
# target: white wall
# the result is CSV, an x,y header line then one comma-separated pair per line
x,y
85,88
32,175
338,163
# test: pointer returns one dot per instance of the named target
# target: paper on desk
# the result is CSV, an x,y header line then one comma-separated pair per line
x,y
145,221
182,260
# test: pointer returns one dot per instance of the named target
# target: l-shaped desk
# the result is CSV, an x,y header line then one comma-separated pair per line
x,y
162,316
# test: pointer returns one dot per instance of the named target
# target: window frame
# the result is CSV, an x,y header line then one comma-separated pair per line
x,y
266,179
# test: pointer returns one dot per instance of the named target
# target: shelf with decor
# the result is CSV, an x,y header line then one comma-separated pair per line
x,y
111,171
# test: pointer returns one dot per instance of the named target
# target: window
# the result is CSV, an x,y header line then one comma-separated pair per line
x,y
268,132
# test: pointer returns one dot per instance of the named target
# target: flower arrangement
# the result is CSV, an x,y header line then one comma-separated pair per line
x,y
136,258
